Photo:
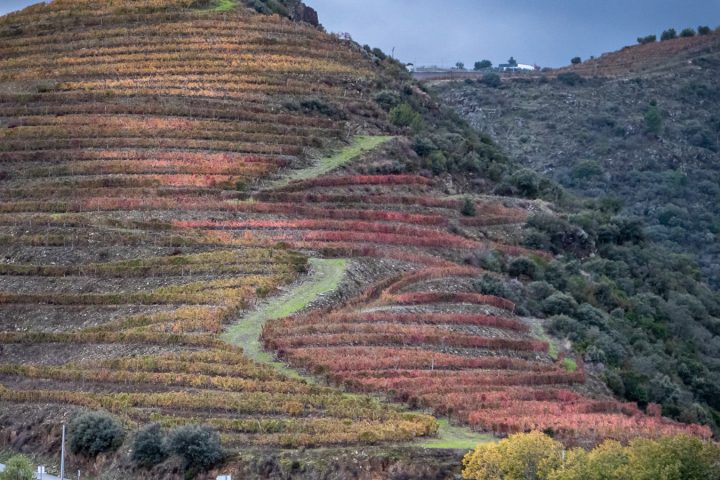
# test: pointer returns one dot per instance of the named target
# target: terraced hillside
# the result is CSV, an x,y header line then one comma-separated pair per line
x,y
426,334
633,138
119,125
166,167
647,59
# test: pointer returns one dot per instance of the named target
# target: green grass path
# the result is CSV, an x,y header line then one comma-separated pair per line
x,y
325,276
225,5
359,146
457,438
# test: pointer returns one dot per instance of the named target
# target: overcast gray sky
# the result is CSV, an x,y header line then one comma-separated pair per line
x,y
543,32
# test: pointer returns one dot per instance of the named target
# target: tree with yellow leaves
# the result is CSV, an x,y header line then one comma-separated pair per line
x,y
679,457
531,456
535,456
608,461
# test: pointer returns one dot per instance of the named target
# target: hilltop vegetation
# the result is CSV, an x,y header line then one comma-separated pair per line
x,y
635,145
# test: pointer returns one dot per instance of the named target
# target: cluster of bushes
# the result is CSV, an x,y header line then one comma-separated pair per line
x,y
633,307
198,446
671,33
618,287
528,184
316,106
537,456
93,433
269,7
376,52
442,141
639,313
570,78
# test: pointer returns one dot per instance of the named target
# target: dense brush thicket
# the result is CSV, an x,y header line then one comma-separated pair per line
x,y
637,262
640,315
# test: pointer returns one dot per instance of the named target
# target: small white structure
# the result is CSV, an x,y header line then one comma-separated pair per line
x,y
530,68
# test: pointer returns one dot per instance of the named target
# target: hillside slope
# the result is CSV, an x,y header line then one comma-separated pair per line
x,y
640,139
151,197
592,135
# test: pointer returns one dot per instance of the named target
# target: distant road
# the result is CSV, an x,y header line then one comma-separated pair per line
x,y
430,75
447,75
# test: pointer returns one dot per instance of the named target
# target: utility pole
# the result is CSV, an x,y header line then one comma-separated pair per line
x,y
62,455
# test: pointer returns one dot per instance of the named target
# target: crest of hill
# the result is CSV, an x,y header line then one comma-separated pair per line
x,y
656,57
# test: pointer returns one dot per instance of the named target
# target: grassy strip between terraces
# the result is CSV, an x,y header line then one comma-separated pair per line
x,y
225,5
325,277
456,438
359,146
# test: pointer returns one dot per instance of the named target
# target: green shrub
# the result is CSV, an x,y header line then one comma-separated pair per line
x,y
489,285
404,115
647,39
688,32
269,7
92,433
569,364
587,169
653,120
570,78
379,53
483,64
559,304
438,162
198,445
576,61
591,316
704,30
668,34
492,80
566,326
18,467
149,447
526,182
522,267
468,209
424,146
387,99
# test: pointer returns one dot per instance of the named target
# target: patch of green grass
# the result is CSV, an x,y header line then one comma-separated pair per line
x,y
225,5
539,332
358,147
325,277
569,364
456,438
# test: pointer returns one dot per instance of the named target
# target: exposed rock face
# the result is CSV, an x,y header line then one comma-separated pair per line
x,y
303,13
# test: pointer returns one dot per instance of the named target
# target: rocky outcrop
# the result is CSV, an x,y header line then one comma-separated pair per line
x,y
302,13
